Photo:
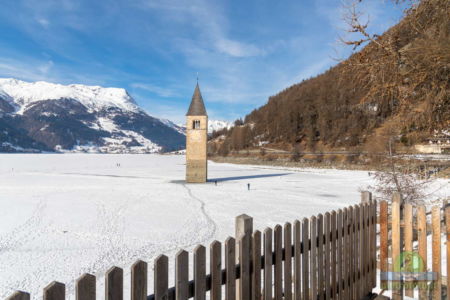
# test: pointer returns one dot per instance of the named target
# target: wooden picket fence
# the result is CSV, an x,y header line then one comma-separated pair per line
x,y
330,256
404,227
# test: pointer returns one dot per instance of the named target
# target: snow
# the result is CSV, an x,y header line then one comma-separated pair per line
x,y
93,97
215,125
62,215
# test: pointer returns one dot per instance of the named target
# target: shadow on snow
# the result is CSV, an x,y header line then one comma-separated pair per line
x,y
246,177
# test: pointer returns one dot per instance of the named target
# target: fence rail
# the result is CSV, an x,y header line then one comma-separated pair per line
x,y
330,256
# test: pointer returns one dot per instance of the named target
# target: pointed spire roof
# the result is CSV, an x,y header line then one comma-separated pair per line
x,y
197,107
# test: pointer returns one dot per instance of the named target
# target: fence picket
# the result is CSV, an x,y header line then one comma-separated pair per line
x,y
297,261
313,257
320,257
256,274
374,243
408,231
19,295
244,257
436,250
352,255
287,261
199,273
397,292
268,264
327,250
383,242
215,260
422,239
55,291
360,257
333,262
114,284
138,280
278,267
161,277
447,229
230,267
345,224
181,275
85,287
339,262
305,258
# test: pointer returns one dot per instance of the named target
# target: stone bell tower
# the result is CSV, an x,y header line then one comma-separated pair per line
x,y
196,140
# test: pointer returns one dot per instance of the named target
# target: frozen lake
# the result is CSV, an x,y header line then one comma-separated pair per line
x,y
64,215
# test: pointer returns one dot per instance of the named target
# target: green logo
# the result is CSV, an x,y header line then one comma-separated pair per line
x,y
409,261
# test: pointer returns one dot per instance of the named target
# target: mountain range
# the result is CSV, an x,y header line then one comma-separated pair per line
x,y
42,116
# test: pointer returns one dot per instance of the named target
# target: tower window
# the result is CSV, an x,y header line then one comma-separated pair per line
x,y
196,124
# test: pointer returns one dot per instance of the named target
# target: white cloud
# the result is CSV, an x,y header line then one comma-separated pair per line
x,y
43,22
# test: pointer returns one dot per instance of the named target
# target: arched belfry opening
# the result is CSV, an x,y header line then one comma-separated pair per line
x,y
196,140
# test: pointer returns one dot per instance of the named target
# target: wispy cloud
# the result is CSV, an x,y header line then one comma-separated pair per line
x,y
163,92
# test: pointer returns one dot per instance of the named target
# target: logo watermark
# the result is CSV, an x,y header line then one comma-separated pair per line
x,y
408,271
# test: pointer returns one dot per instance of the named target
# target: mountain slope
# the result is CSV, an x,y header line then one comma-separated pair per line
x,y
46,117
399,91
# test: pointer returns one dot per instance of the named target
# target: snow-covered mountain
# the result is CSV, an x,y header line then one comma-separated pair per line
x,y
215,125
47,117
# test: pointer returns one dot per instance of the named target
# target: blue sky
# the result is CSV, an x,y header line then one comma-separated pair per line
x,y
244,51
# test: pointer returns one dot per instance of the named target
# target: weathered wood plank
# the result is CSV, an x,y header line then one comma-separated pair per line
x,y
268,264
256,274
278,267
320,257
374,243
313,257
350,251
215,260
139,280
305,259
244,227
333,250
287,261
245,278
55,291
384,250
85,287
200,273
161,277
436,250
447,228
408,231
361,258
353,260
114,284
339,262
297,261
397,290
230,268
345,253
327,253
19,295
182,275
422,239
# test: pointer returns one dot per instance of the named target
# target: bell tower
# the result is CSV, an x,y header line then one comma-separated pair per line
x,y
196,140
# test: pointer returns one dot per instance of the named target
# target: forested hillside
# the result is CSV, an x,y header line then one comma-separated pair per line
x,y
396,88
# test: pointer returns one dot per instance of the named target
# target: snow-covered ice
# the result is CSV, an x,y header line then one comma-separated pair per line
x,y
62,215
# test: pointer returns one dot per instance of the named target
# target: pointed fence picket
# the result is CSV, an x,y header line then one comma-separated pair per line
x,y
330,256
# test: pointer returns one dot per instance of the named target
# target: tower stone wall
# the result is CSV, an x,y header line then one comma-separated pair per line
x,y
196,149
196,140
